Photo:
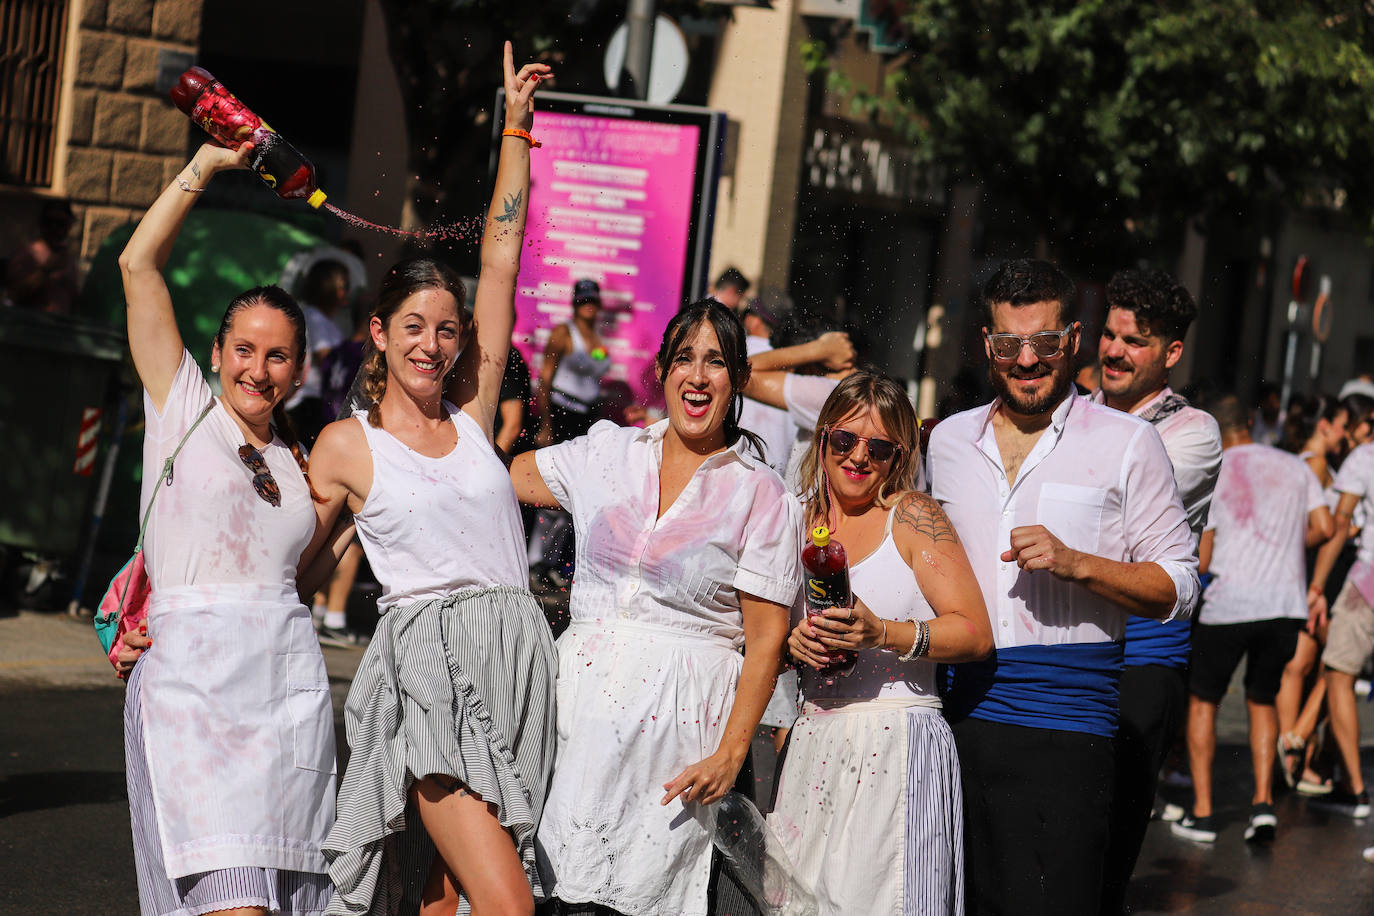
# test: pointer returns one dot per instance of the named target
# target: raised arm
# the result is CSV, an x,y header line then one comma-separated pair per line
x,y
832,348
766,386
154,340
479,377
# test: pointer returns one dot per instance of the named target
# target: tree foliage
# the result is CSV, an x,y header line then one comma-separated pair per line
x,y
1103,117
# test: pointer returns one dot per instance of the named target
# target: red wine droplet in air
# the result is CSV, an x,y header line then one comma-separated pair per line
x,y
464,230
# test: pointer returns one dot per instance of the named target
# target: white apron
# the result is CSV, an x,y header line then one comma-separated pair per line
x,y
238,729
636,704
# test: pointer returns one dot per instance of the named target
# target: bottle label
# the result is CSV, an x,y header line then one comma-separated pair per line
x,y
828,591
221,115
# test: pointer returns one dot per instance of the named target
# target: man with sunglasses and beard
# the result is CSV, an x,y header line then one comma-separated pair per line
x,y
1148,314
1072,522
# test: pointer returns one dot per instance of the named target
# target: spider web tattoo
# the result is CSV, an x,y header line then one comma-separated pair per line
x,y
512,205
923,515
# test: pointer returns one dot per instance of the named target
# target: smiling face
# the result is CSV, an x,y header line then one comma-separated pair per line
x,y
697,388
421,340
258,360
1031,385
856,478
1135,363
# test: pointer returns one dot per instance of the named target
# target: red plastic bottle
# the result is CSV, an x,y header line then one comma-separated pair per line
x,y
826,586
204,100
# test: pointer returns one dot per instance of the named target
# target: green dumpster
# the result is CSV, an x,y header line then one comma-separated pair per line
x,y
56,378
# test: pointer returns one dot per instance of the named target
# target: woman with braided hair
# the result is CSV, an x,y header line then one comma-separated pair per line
x,y
229,730
450,715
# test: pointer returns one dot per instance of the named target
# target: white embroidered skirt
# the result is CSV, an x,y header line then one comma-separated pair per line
x,y
870,811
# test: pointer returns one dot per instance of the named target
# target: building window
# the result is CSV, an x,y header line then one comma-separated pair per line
x,y
33,33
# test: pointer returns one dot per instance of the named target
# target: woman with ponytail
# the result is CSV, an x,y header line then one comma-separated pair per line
x,y
229,730
450,714
687,548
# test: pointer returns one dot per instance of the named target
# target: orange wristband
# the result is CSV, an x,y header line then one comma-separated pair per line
x,y
523,135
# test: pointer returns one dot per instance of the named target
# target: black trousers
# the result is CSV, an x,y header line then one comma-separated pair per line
x,y
1037,805
1154,702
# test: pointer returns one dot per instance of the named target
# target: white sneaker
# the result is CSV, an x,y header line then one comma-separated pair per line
x,y
1172,813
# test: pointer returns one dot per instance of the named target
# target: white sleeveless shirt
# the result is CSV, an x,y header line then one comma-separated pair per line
x,y
434,526
888,586
576,382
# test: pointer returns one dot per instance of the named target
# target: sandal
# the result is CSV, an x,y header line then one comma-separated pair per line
x,y
1290,747
1309,785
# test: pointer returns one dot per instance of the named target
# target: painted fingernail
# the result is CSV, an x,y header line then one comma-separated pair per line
x,y
143,631
534,77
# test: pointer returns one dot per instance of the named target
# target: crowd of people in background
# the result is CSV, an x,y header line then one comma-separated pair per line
x,y
1054,587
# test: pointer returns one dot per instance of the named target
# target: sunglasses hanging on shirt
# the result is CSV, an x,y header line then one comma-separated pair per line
x,y
263,481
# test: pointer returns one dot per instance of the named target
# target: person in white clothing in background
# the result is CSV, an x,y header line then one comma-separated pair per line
x,y
868,805
450,714
1266,510
687,548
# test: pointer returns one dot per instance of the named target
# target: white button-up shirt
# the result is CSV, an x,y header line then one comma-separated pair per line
x,y
1097,479
734,528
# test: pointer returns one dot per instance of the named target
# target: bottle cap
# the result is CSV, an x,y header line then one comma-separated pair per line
x,y
820,536
192,83
316,198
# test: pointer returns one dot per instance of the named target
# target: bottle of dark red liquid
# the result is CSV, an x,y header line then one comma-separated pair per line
x,y
827,586
205,100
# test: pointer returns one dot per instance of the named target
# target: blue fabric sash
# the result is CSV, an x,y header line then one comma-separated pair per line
x,y
1149,642
1072,687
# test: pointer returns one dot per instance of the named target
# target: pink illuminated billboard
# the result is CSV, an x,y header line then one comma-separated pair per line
x,y
621,193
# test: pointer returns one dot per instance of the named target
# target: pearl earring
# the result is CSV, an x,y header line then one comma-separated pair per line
x,y
298,383
214,368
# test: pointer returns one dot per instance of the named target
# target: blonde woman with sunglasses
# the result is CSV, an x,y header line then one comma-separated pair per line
x,y
869,805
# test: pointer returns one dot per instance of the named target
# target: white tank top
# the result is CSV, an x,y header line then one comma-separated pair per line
x,y
577,380
433,526
888,586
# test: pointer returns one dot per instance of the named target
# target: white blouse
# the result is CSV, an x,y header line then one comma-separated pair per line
x,y
733,529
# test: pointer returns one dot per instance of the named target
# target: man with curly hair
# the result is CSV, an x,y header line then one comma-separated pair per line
x,y
1148,314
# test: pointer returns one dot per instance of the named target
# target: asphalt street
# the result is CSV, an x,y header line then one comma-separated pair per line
x,y
64,822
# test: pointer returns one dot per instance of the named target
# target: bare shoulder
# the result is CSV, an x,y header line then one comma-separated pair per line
x,y
340,444
918,515
559,338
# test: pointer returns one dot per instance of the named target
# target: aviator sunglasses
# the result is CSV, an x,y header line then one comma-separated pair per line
x,y
1044,344
844,442
263,481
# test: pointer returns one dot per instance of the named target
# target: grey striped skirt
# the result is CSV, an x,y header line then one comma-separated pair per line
x,y
291,892
461,687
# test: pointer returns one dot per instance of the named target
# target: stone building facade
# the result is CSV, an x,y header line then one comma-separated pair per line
x,y
117,141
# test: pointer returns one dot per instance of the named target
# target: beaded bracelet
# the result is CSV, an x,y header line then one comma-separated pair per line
x,y
523,135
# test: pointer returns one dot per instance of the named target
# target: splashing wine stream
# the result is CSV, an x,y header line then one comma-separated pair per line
x,y
464,230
